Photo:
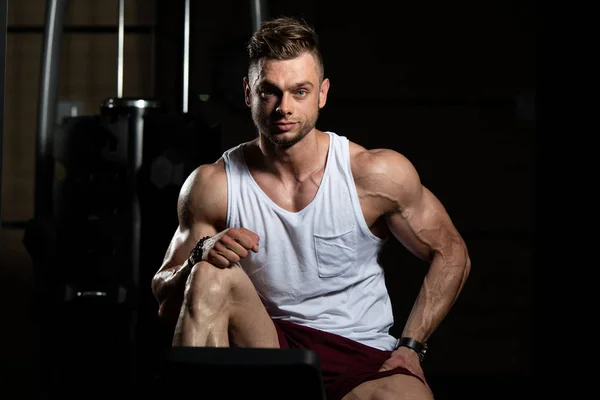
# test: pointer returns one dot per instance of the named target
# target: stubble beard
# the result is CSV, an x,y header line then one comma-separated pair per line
x,y
279,140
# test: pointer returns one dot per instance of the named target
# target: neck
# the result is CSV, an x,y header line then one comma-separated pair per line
x,y
296,162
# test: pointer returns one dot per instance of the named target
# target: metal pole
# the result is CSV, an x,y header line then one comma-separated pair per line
x,y
55,12
3,27
258,9
121,48
186,55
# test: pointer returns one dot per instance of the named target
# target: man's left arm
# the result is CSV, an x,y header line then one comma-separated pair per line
x,y
421,223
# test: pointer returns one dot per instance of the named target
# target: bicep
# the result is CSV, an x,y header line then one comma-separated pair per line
x,y
390,185
200,210
423,225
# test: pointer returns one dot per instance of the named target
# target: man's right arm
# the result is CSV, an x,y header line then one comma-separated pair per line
x,y
201,209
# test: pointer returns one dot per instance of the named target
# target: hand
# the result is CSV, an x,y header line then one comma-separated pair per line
x,y
405,358
230,246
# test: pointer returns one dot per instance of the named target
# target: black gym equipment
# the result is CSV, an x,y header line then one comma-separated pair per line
x,y
3,31
104,186
236,373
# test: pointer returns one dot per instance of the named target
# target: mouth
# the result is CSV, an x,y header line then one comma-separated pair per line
x,y
285,126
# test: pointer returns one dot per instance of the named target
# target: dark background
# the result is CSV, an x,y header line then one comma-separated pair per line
x,y
451,85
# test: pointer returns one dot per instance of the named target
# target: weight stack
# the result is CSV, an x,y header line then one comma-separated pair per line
x,y
88,340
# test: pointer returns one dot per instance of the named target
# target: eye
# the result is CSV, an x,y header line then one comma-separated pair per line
x,y
301,92
265,93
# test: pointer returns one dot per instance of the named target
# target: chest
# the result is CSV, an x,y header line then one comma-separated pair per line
x,y
295,197
291,196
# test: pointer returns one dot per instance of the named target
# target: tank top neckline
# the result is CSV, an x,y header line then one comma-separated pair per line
x,y
276,206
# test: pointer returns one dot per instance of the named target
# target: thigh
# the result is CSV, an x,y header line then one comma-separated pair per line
x,y
249,323
398,387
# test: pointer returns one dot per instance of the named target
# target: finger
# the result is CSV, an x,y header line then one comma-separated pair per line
x,y
226,252
245,237
217,259
234,246
384,367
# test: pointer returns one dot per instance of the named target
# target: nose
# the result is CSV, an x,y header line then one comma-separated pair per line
x,y
285,105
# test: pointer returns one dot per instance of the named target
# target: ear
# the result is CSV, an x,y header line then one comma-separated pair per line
x,y
247,92
324,89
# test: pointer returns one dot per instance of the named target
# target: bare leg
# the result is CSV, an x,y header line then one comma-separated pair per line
x,y
221,308
393,387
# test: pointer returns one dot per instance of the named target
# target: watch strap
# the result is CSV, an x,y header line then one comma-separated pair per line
x,y
418,347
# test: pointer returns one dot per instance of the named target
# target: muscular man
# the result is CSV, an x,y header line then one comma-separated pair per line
x,y
295,220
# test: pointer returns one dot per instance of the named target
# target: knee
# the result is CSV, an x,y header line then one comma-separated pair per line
x,y
206,285
208,279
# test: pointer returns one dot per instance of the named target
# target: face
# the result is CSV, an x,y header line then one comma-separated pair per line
x,y
285,97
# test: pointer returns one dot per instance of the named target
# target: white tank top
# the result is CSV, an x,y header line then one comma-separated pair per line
x,y
316,267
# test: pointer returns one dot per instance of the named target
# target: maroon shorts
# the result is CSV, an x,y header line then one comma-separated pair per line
x,y
345,363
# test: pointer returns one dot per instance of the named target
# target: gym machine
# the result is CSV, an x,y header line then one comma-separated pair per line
x,y
103,186
103,183
3,32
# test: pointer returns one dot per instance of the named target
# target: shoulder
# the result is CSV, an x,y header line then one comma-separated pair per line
x,y
382,163
204,193
205,175
385,173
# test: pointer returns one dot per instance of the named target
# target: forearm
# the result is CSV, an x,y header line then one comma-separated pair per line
x,y
441,287
168,285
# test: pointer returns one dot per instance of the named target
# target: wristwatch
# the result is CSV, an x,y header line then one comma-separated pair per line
x,y
418,347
